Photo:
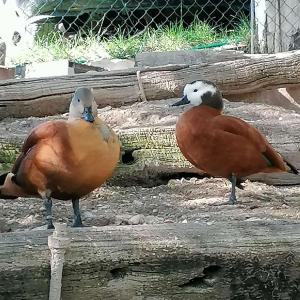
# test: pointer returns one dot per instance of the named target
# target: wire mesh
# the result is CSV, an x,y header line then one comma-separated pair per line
x,y
108,17
260,26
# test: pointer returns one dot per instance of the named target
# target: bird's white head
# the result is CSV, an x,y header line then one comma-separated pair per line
x,y
201,92
83,105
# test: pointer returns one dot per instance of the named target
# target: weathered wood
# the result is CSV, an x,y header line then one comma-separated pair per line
x,y
48,96
189,57
151,151
247,260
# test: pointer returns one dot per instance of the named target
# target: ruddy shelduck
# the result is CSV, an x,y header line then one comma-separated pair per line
x,y
222,145
64,159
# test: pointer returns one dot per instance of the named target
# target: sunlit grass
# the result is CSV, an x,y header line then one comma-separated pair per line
x,y
51,45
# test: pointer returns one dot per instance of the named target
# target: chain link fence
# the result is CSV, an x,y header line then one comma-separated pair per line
x,y
107,17
275,25
259,26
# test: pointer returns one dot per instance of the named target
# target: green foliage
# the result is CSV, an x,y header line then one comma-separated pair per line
x,y
8,154
121,46
51,45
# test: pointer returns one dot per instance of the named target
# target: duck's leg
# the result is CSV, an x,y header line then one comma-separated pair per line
x,y
77,218
48,207
232,197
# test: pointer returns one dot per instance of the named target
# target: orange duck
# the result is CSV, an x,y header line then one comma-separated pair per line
x,y
64,159
220,145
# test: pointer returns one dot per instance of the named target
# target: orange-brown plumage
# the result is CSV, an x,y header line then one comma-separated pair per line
x,y
70,158
221,145
64,159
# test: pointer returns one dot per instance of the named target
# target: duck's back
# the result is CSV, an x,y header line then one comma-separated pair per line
x,y
221,145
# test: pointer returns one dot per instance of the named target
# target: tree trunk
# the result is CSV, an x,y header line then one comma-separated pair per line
x,y
49,96
236,260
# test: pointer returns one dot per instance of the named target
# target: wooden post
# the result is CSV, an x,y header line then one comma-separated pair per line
x,y
277,26
58,244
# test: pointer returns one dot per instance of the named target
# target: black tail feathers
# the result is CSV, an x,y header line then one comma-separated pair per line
x,y
293,169
2,180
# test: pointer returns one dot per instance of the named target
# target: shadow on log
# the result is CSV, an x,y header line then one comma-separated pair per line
x,y
182,261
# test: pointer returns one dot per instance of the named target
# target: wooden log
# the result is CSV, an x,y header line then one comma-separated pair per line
x,y
189,57
172,261
151,152
48,96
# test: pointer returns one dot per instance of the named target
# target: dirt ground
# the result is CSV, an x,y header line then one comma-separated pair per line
x,y
193,200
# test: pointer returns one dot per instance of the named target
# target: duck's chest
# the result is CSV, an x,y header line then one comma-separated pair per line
x,y
95,144
192,129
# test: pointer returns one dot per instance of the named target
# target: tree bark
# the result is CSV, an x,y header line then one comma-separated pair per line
x,y
49,96
236,260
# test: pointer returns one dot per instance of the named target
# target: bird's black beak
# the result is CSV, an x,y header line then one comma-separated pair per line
x,y
184,100
88,114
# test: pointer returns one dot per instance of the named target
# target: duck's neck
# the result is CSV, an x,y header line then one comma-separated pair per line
x,y
206,111
213,100
97,120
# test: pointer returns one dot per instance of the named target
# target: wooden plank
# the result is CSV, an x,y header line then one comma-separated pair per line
x,y
259,259
48,96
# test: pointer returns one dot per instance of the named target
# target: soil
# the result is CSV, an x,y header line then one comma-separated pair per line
x,y
182,200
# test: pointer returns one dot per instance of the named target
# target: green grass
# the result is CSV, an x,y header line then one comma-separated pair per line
x,y
50,45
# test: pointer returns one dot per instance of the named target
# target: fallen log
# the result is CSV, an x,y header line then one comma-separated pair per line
x,y
150,152
49,96
173,261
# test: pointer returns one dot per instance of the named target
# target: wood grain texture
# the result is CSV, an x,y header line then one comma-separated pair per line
x,y
48,96
236,260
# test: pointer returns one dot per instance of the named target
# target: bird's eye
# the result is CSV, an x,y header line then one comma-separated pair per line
x,y
78,100
195,90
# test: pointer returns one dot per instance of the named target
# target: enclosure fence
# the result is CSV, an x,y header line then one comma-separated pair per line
x,y
258,26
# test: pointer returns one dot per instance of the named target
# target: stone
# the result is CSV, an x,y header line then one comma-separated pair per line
x,y
137,203
103,221
136,220
4,227
87,215
155,211
168,221
122,219
153,220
